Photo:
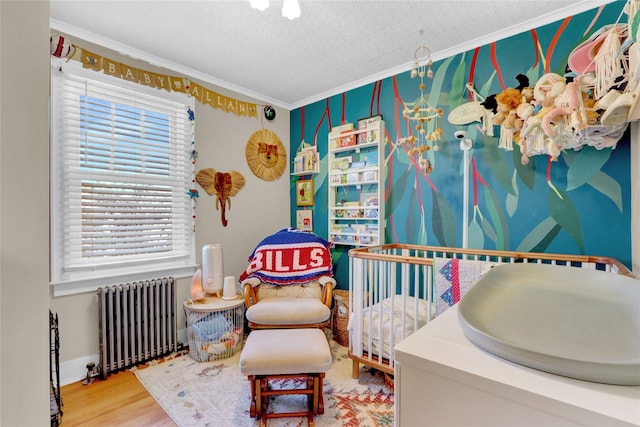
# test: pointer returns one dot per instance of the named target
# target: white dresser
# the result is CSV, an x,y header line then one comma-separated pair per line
x,y
442,379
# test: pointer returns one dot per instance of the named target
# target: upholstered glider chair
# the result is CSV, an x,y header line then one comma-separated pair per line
x,y
289,283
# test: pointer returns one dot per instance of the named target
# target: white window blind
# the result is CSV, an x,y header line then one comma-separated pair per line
x,y
121,174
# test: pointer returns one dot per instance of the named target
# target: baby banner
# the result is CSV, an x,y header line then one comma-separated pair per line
x,y
162,81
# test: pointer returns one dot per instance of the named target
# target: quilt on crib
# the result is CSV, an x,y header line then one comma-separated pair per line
x,y
454,277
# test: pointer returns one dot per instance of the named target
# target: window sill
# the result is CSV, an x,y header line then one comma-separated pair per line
x,y
91,285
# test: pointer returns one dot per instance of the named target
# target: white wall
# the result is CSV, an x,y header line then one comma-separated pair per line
x,y
259,209
24,213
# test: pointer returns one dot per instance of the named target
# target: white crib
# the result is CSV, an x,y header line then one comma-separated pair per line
x,y
392,291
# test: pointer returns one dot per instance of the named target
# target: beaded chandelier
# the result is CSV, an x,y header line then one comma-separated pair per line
x,y
420,113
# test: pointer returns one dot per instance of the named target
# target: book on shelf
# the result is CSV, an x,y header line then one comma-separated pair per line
x,y
369,199
342,163
370,213
345,127
360,164
306,160
347,141
353,177
369,122
370,175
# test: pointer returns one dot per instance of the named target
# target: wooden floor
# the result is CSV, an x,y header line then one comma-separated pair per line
x,y
119,401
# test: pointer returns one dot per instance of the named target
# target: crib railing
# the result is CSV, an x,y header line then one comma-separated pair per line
x,y
397,277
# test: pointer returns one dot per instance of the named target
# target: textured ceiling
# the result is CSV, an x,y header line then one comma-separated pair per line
x,y
333,46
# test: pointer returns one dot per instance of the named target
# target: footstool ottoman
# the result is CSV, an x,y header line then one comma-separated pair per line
x,y
272,354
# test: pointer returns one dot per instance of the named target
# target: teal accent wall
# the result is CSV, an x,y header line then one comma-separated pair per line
x,y
584,207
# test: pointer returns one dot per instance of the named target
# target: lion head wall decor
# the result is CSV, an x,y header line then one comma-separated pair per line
x,y
266,155
222,184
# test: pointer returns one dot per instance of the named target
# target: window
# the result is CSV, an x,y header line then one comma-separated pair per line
x,y
121,174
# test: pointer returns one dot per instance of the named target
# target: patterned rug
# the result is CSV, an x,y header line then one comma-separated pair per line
x,y
216,394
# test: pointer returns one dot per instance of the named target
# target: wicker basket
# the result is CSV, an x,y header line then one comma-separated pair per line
x,y
215,328
340,316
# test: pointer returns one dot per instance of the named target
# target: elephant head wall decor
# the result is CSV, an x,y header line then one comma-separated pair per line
x,y
222,184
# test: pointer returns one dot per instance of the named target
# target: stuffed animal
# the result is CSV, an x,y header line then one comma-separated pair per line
x,y
507,117
545,92
525,111
558,124
507,102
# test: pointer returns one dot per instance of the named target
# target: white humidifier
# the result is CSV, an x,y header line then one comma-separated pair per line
x,y
212,270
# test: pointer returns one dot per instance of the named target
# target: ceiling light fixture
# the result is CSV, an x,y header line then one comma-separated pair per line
x,y
261,5
290,8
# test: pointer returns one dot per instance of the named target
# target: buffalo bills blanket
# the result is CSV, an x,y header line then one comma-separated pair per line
x,y
290,256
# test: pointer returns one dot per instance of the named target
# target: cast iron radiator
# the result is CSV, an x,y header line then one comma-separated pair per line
x,y
137,323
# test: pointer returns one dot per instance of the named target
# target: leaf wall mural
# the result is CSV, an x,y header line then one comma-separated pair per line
x,y
577,203
566,215
585,164
443,228
527,172
607,186
541,234
496,161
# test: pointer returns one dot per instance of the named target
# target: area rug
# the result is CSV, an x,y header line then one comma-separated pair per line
x,y
216,394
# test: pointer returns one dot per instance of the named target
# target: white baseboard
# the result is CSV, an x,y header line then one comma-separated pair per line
x,y
76,370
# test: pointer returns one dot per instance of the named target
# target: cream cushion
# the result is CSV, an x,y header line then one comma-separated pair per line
x,y
285,351
288,311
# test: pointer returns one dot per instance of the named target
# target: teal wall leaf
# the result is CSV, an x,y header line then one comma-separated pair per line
x,y
565,214
442,221
475,235
527,173
498,219
607,186
397,192
422,232
599,180
487,228
512,199
438,80
412,214
485,90
546,241
540,233
495,159
458,82
585,165
512,204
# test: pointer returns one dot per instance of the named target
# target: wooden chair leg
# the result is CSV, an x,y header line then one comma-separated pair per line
x,y
315,395
252,407
355,370
320,394
258,397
